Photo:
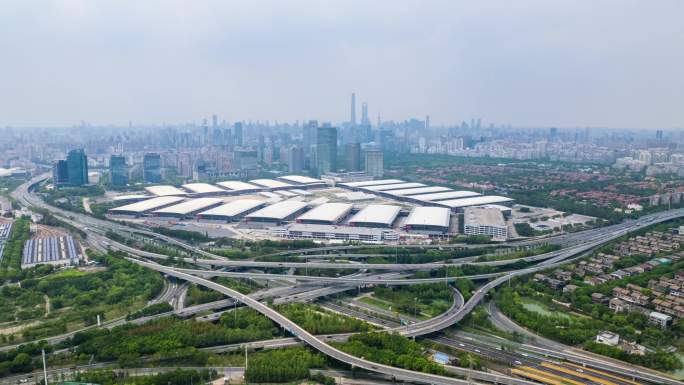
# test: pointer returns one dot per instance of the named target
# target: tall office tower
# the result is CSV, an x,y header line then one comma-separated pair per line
x,y
427,122
352,120
364,114
352,156
118,171
309,132
374,163
60,173
214,121
326,150
553,133
152,168
295,159
659,135
77,165
237,132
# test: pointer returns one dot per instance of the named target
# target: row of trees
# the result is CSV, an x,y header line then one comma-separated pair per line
x,y
176,377
391,349
283,365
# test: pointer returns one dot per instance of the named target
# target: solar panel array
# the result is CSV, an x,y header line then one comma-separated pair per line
x,y
5,229
56,250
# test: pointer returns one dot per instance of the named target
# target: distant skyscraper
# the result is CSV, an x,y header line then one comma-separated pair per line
x,y
152,168
238,133
60,173
364,113
352,156
118,171
352,120
214,121
659,135
295,159
246,162
427,122
326,149
553,133
77,164
309,132
374,163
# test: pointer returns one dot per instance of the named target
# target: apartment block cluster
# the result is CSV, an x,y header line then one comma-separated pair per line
x,y
651,243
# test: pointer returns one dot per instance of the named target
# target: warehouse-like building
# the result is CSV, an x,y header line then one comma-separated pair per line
x,y
203,189
188,208
232,211
458,205
277,213
165,190
56,251
428,220
236,186
326,214
376,216
143,207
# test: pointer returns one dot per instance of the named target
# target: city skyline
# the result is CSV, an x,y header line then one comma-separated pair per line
x,y
570,64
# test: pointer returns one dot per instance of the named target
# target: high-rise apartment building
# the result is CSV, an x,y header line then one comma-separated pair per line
x,y
237,131
118,170
295,159
152,168
326,149
77,165
374,162
352,156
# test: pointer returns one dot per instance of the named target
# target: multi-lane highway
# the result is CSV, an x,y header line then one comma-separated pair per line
x,y
581,243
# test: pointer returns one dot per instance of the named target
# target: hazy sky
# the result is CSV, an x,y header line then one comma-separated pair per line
x,y
610,63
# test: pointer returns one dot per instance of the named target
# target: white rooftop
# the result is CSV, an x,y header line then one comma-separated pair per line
x,y
147,205
236,185
395,186
300,191
474,201
130,197
445,195
279,211
371,183
379,214
270,183
269,194
202,188
189,206
165,190
233,208
285,193
429,216
299,179
330,212
419,190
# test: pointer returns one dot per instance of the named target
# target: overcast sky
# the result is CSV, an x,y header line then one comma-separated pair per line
x,y
601,63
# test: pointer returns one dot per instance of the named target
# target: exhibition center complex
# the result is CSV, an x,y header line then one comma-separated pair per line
x,y
294,206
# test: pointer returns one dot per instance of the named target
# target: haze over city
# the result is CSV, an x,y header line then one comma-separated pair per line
x,y
341,192
530,63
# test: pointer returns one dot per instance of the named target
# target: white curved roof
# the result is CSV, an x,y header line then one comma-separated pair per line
x,y
429,216
330,212
190,206
234,208
376,214
165,190
147,205
202,188
236,185
279,211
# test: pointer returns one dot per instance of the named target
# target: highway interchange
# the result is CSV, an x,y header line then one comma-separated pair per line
x,y
577,245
